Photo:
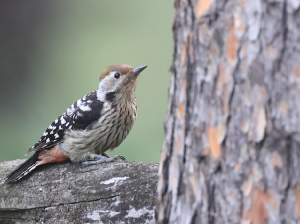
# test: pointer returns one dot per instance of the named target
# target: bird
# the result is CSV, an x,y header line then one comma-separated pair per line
x,y
97,122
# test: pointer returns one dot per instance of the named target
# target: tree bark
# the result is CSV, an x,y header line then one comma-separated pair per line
x,y
232,133
123,192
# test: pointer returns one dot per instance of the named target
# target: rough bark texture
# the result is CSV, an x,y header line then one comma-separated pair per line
x,y
122,192
232,132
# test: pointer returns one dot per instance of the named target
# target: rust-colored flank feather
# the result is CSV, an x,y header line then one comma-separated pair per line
x,y
122,68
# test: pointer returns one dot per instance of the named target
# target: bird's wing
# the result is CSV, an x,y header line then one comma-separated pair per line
x,y
78,116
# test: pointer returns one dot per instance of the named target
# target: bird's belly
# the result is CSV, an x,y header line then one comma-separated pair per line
x,y
107,133
112,135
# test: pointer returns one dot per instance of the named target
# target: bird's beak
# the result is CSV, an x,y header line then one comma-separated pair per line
x,y
137,71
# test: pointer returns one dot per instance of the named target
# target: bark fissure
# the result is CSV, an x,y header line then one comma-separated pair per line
x,y
283,207
284,33
211,205
52,205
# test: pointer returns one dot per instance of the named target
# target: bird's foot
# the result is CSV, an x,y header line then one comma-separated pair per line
x,y
103,159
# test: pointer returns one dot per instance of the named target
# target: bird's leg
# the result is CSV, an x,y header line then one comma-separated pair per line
x,y
103,158
104,154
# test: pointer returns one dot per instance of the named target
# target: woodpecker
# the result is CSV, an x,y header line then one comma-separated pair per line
x,y
97,122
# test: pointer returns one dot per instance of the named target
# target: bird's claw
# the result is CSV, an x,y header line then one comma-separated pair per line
x,y
103,159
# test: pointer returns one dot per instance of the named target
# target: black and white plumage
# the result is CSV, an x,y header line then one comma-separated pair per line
x,y
79,116
99,121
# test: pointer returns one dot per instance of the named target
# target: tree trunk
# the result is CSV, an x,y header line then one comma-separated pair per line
x,y
232,133
119,192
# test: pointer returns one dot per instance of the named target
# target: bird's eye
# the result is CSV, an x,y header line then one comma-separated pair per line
x,y
117,75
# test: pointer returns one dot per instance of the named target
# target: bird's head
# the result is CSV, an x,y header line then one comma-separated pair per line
x,y
119,80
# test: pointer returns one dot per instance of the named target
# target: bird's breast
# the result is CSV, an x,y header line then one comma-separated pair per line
x,y
114,125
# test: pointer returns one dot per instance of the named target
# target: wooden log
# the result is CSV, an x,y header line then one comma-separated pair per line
x,y
119,192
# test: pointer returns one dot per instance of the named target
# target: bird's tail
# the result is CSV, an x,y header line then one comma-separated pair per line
x,y
23,169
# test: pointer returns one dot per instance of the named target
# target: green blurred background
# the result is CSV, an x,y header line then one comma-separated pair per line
x,y
53,52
